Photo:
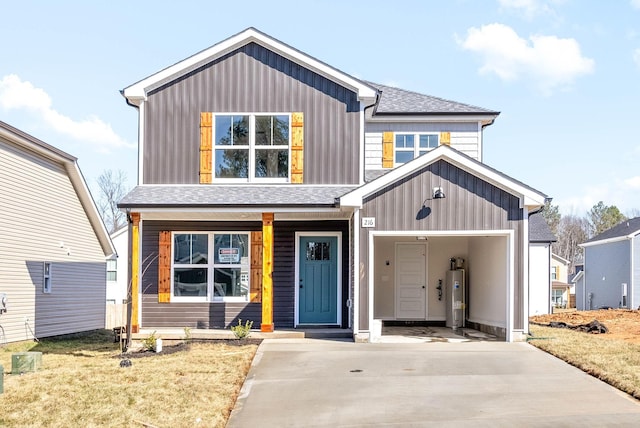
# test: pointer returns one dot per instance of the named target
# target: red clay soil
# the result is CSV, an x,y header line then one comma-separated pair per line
x,y
623,324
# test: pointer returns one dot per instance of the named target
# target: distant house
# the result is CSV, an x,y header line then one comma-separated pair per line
x,y
560,288
276,188
540,255
611,275
53,242
117,277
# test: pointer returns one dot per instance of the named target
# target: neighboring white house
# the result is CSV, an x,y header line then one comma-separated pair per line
x,y
117,274
53,242
540,262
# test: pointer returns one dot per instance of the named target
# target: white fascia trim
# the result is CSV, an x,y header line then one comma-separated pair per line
x,y
141,113
529,198
578,276
401,118
437,233
238,209
560,259
355,272
138,91
610,240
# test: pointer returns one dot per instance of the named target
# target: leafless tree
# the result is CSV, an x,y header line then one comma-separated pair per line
x,y
572,230
113,187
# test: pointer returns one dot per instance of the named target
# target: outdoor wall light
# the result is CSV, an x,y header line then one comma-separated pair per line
x,y
438,193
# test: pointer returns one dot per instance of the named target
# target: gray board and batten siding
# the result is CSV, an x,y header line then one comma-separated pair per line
x,y
252,79
607,266
470,204
224,314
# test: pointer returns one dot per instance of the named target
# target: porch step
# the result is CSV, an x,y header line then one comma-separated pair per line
x,y
217,334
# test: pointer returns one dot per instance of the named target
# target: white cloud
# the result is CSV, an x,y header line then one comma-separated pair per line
x,y
16,94
548,61
636,56
632,182
529,8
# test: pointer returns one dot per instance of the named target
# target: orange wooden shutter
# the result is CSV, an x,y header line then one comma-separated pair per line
x,y
255,293
206,147
297,147
164,267
445,138
387,149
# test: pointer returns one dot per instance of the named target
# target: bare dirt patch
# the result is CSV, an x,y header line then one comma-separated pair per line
x,y
623,324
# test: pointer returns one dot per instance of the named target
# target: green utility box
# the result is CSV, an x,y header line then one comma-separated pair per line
x,y
23,362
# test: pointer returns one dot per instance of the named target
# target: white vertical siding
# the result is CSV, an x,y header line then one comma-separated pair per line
x,y
42,219
539,277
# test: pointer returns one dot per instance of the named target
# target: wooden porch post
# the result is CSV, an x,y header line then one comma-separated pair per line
x,y
135,270
267,273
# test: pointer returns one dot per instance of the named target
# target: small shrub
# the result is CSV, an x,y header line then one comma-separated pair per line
x,y
242,331
149,343
187,334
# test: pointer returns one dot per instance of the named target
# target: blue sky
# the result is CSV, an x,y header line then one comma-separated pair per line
x,y
565,74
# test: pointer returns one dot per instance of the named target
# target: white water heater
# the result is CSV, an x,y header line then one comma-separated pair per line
x,y
455,300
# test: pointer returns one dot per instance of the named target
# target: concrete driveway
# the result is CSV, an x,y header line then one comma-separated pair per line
x,y
314,383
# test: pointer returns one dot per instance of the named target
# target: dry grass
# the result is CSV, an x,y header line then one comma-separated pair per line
x,y
82,384
616,362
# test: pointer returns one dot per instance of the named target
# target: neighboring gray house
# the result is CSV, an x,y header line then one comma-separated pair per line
x,y
275,188
611,276
540,280
53,242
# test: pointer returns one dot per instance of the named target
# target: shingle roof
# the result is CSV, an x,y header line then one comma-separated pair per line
x,y
225,196
628,227
539,230
400,101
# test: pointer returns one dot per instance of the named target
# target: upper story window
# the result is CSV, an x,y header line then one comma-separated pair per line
x,y
252,147
410,146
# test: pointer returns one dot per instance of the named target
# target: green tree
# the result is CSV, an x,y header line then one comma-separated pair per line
x,y
602,217
551,214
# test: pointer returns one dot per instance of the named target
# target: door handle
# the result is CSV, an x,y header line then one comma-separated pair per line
x,y
423,287
300,283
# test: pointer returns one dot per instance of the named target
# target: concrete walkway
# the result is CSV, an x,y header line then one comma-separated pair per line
x,y
324,383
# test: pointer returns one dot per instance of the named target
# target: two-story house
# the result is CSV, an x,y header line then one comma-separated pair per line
x,y
276,188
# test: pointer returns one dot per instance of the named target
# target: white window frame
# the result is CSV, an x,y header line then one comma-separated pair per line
x,y
47,277
211,266
416,149
114,270
251,147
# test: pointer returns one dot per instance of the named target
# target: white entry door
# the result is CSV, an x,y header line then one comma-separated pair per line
x,y
411,281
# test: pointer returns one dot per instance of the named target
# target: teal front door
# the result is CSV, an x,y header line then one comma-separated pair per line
x,y
318,280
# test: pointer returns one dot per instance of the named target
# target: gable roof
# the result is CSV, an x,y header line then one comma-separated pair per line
x,y
400,101
529,196
27,142
539,230
625,230
138,91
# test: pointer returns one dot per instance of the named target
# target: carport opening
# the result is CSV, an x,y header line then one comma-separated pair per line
x,y
415,281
